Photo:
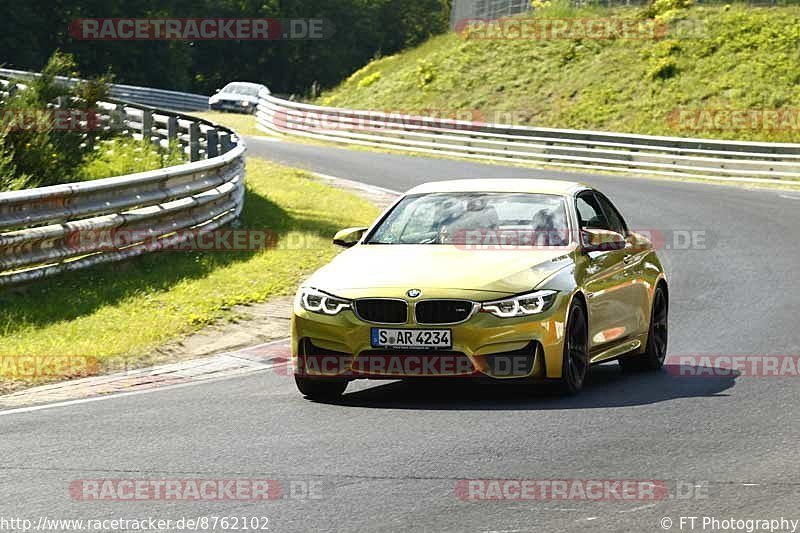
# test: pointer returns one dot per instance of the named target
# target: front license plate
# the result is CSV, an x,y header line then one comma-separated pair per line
x,y
412,338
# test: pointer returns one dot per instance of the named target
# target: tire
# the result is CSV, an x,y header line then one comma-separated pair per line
x,y
575,365
321,389
657,337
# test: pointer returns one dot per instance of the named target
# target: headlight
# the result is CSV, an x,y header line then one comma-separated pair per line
x,y
525,305
319,302
245,103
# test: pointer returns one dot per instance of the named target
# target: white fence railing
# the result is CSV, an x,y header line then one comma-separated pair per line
x,y
592,150
62,228
485,9
174,100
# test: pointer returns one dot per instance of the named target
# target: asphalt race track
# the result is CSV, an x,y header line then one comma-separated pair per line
x,y
389,457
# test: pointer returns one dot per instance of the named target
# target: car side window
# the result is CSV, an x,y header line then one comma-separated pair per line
x,y
615,220
590,213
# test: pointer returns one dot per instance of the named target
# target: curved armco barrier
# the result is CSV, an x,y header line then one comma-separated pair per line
x,y
594,150
41,229
130,93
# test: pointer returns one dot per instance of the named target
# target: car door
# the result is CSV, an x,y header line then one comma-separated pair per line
x,y
636,288
607,282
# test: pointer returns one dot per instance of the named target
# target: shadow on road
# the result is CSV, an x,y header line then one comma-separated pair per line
x,y
608,387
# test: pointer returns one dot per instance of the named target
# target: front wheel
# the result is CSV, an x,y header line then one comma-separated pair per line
x,y
656,351
575,365
323,390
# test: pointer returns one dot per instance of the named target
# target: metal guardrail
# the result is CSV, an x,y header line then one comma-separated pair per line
x,y
43,230
494,9
130,93
485,9
588,150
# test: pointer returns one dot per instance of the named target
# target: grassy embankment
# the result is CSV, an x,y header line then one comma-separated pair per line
x,y
711,58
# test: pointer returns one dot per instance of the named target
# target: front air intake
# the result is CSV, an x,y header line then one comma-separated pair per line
x,y
382,311
432,312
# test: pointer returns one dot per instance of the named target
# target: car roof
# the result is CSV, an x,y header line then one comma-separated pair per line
x,y
246,83
540,186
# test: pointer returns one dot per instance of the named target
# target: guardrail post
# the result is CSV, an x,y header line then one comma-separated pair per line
x,y
118,118
172,128
194,141
225,144
147,125
212,138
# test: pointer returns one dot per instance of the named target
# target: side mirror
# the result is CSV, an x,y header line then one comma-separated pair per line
x,y
601,240
217,90
347,238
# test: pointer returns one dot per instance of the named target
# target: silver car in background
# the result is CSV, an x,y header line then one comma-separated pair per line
x,y
238,97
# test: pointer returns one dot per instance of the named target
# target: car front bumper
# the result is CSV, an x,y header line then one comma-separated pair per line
x,y
339,346
229,105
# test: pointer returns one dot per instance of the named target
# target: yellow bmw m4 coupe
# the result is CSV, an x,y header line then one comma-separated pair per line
x,y
507,280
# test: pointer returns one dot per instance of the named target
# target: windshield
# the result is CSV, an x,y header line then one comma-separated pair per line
x,y
462,218
240,88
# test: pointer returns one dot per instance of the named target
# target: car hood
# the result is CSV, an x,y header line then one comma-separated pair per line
x,y
364,268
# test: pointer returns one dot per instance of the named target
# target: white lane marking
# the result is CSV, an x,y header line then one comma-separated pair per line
x,y
132,393
641,508
591,518
336,178
789,197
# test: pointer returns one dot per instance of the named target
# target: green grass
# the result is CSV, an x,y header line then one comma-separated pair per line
x,y
128,309
748,58
239,122
122,156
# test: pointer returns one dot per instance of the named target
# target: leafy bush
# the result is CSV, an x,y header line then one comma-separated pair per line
x,y
34,150
663,69
42,152
369,80
425,73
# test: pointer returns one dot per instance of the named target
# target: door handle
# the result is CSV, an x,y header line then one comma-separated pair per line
x,y
629,259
